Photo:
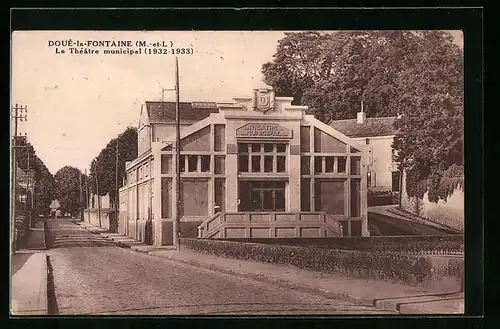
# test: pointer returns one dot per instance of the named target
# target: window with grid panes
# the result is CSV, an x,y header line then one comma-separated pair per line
x,y
195,163
332,164
262,157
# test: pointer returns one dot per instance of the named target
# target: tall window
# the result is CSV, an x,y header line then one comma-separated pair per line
x,y
261,157
330,164
194,163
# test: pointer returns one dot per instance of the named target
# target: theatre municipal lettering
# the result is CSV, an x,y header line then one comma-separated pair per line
x,y
256,167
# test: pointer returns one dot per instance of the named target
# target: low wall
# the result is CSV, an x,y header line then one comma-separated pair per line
x,y
449,212
390,266
434,244
108,218
21,229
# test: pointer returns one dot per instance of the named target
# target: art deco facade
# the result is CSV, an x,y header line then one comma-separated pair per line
x,y
255,167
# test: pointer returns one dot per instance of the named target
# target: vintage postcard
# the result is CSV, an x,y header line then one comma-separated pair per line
x,y
237,172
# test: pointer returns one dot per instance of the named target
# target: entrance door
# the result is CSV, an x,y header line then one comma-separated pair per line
x,y
268,196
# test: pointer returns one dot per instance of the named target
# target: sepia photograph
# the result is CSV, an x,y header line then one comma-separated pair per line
x,y
214,173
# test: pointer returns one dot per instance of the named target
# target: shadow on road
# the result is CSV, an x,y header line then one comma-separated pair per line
x,y
53,308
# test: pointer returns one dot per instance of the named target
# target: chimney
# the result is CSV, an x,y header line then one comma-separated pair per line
x,y
361,115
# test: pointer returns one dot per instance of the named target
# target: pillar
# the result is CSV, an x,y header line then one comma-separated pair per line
x,y
157,234
364,192
294,200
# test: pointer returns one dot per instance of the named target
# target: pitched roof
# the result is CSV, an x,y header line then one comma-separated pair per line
x,y
165,111
371,127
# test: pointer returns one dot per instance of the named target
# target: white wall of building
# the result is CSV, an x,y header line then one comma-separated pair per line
x,y
143,140
381,163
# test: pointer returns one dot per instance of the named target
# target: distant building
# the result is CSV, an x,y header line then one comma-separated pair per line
x,y
26,181
24,189
255,167
54,207
377,134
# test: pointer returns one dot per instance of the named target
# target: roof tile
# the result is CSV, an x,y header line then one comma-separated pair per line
x,y
165,111
371,127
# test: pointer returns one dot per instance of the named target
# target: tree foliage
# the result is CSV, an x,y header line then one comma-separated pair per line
x,y
68,189
430,141
418,74
44,181
332,72
104,165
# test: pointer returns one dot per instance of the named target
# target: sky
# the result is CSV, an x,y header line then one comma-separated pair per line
x,y
77,103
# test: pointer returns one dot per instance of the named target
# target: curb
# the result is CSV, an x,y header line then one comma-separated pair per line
x,y
45,233
417,304
43,303
280,282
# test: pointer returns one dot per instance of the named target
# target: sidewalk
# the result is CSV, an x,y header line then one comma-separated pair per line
x,y
392,297
29,276
120,239
393,212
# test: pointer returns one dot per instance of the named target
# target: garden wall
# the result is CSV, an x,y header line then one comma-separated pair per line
x,y
108,218
449,212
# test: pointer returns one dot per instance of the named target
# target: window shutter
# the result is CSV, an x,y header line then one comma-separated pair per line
x,y
374,179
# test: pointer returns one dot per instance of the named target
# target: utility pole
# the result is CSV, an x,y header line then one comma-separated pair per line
x,y
87,196
27,181
177,223
116,177
176,226
31,185
20,113
98,197
81,197
28,184
116,184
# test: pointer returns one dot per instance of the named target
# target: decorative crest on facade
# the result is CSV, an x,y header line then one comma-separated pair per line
x,y
263,99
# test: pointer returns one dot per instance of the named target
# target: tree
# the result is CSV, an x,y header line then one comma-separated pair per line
x,y
429,141
104,165
68,189
332,72
300,61
418,74
44,181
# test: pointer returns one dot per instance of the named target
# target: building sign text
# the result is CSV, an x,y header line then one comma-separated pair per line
x,y
263,130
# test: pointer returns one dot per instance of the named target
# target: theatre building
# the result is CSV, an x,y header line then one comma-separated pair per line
x,y
252,168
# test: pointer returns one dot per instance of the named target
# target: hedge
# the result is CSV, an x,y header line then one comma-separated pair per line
x,y
406,268
435,244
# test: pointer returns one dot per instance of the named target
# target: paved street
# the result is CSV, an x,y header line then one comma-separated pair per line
x,y
94,276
